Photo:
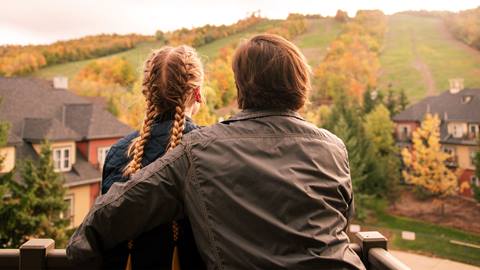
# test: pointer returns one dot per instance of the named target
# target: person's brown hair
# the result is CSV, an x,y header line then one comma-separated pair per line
x,y
270,73
170,76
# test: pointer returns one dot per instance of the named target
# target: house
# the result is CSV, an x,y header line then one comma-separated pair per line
x,y
80,133
459,112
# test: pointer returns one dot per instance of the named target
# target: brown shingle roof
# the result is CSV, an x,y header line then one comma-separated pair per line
x,y
38,129
29,98
37,111
451,106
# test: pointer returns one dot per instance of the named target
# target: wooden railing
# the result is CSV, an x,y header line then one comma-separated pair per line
x,y
41,254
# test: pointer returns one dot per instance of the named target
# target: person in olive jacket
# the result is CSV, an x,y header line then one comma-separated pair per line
x,y
171,85
263,190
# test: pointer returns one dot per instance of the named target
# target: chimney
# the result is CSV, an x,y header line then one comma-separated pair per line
x,y
456,85
60,82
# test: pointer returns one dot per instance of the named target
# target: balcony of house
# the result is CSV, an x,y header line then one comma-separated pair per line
x,y
452,161
41,254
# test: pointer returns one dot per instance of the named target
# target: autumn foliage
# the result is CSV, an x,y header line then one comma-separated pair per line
x,y
114,70
425,163
18,60
465,25
199,36
294,25
351,64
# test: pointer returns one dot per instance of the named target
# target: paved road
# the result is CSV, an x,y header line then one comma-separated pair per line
x,y
420,262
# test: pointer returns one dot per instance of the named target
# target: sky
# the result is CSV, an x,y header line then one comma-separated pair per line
x,y
46,21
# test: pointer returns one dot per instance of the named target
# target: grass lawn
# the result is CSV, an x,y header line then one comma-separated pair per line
x,y
412,38
137,55
431,239
314,43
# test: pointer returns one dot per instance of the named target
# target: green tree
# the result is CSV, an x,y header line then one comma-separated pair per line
x,y
160,35
379,130
368,101
403,100
33,206
345,122
391,102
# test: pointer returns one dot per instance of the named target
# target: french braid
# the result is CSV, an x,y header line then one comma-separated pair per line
x,y
170,75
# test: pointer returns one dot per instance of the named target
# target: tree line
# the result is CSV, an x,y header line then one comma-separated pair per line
x,y
20,60
465,25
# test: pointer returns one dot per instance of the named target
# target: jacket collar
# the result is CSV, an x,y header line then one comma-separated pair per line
x,y
252,114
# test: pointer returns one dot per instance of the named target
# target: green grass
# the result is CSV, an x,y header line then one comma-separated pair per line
x,y
315,41
137,55
431,239
445,57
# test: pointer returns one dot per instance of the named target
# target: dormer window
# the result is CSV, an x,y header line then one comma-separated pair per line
x,y
62,159
466,99
474,130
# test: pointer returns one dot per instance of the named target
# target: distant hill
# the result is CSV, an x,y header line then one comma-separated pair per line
x,y
137,55
420,55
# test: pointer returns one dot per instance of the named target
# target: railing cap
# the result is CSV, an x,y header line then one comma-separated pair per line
x,y
47,244
373,236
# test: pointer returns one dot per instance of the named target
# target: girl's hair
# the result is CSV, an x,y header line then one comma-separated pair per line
x,y
170,76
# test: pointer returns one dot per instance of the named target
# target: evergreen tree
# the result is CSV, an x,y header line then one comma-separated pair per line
x,y
368,101
425,164
391,102
345,122
403,100
34,205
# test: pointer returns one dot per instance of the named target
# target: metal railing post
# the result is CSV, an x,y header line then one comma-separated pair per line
x,y
368,240
33,254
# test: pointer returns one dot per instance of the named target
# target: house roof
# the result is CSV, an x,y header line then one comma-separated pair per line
x,y
37,129
82,172
37,111
60,113
463,106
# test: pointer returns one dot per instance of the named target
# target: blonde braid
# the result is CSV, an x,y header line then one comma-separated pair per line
x,y
176,134
136,149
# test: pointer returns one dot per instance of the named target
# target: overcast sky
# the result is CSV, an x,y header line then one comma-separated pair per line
x,y
45,21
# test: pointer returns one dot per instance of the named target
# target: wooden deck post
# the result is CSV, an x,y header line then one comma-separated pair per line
x,y
33,254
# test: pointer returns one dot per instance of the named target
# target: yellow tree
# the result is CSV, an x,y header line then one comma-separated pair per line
x,y
425,163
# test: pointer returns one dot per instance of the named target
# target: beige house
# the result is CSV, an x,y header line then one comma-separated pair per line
x,y
79,130
459,111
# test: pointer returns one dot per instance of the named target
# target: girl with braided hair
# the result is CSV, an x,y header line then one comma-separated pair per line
x,y
171,85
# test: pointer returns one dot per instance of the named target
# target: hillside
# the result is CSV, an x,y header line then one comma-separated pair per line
x,y
313,43
137,56
420,55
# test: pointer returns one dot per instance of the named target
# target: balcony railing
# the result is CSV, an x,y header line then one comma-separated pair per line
x,y
41,254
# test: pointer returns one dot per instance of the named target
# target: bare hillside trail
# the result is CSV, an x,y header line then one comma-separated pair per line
x,y
422,68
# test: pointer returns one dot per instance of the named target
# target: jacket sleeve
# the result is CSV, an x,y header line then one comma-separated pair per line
x,y
152,197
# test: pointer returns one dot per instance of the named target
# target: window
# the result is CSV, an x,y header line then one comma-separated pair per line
x,y
473,153
474,181
456,130
62,159
474,130
68,213
449,150
405,132
101,155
